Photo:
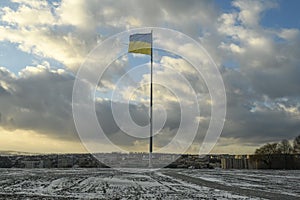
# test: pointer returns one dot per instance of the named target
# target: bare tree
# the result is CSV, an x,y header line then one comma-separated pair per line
x,y
267,149
265,153
296,145
284,147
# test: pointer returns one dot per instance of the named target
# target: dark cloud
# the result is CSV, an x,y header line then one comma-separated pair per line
x,y
40,100
276,82
253,117
261,126
139,114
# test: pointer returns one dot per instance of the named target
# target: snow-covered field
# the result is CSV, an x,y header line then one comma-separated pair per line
x,y
112,184
277,181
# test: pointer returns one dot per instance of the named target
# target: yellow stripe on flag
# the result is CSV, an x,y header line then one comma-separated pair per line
x,y
139,47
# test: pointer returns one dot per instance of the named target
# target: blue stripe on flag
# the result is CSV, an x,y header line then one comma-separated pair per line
x,y
141,37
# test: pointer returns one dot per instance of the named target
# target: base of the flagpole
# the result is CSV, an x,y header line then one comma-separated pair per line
x,y
150,160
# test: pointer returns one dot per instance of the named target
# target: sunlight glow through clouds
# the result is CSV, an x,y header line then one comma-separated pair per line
x,y
31,141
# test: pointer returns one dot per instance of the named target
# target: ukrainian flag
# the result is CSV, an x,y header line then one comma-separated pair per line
x,y
140,43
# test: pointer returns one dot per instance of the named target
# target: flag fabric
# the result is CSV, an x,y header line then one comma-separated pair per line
x,y
140,43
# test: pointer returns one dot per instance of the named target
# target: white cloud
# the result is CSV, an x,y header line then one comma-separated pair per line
x,y
232,47
27,16
32,3
76,13
289,34
66,48
178,64
250,11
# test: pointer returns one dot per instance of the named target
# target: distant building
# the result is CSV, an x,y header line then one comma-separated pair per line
x,y
5,162
33,163
276,161
236,162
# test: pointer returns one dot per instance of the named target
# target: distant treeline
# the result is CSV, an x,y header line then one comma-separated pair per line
x,y
283,147
281,155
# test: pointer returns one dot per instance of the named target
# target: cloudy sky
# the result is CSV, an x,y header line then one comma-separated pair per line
x,y
255,45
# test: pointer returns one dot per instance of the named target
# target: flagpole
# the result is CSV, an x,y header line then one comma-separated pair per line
x,y
151,104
